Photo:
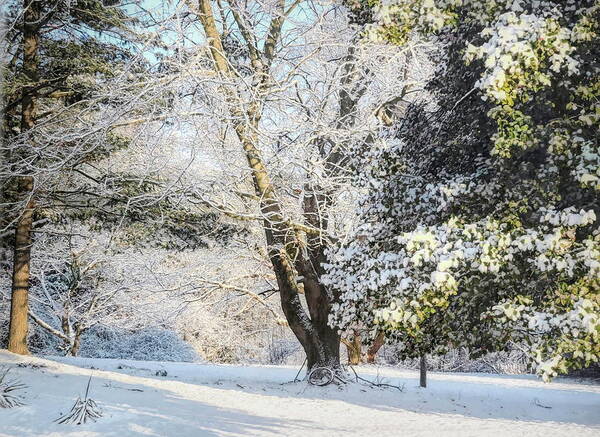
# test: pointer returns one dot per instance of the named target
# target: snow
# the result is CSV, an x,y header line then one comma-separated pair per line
x,y
217,400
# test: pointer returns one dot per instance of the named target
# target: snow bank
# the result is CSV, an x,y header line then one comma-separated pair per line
x,y
209,400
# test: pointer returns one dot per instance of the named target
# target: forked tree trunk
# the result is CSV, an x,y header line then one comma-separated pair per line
x,y
320,342
17,339
354,348
309,264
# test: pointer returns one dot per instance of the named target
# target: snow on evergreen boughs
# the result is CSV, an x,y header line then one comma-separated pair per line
x,y
480,221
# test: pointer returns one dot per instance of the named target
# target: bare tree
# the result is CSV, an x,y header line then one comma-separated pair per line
x,y
289,260
76,286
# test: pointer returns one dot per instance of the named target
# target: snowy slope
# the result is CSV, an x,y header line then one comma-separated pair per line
x,y
209,400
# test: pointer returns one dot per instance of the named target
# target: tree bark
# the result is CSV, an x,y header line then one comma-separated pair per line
x,y
423,371
309,264
74,349
354,349
377,343
17,340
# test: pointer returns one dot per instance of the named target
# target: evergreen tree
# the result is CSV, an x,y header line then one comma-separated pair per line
x,y
480,218
71,70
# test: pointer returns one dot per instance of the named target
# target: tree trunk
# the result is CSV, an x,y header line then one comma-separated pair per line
x,y
309,264
74,349
377,343
19,308
423,371
354,349
17,340
320,342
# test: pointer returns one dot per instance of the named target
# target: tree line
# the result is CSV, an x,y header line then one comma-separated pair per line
x,y
422,172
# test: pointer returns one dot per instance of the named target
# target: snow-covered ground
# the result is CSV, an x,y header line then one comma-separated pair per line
x,y
210,400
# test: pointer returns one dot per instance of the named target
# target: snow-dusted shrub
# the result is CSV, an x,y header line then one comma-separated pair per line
x,y
83,411
282,351
4,303
4,324
150,344
41,342
511,361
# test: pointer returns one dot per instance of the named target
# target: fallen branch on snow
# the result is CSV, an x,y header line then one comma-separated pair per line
x,y
376,384
537,402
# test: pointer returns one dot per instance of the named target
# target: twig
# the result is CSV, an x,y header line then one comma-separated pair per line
x,y
109,385
300,370
376,384
537,402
